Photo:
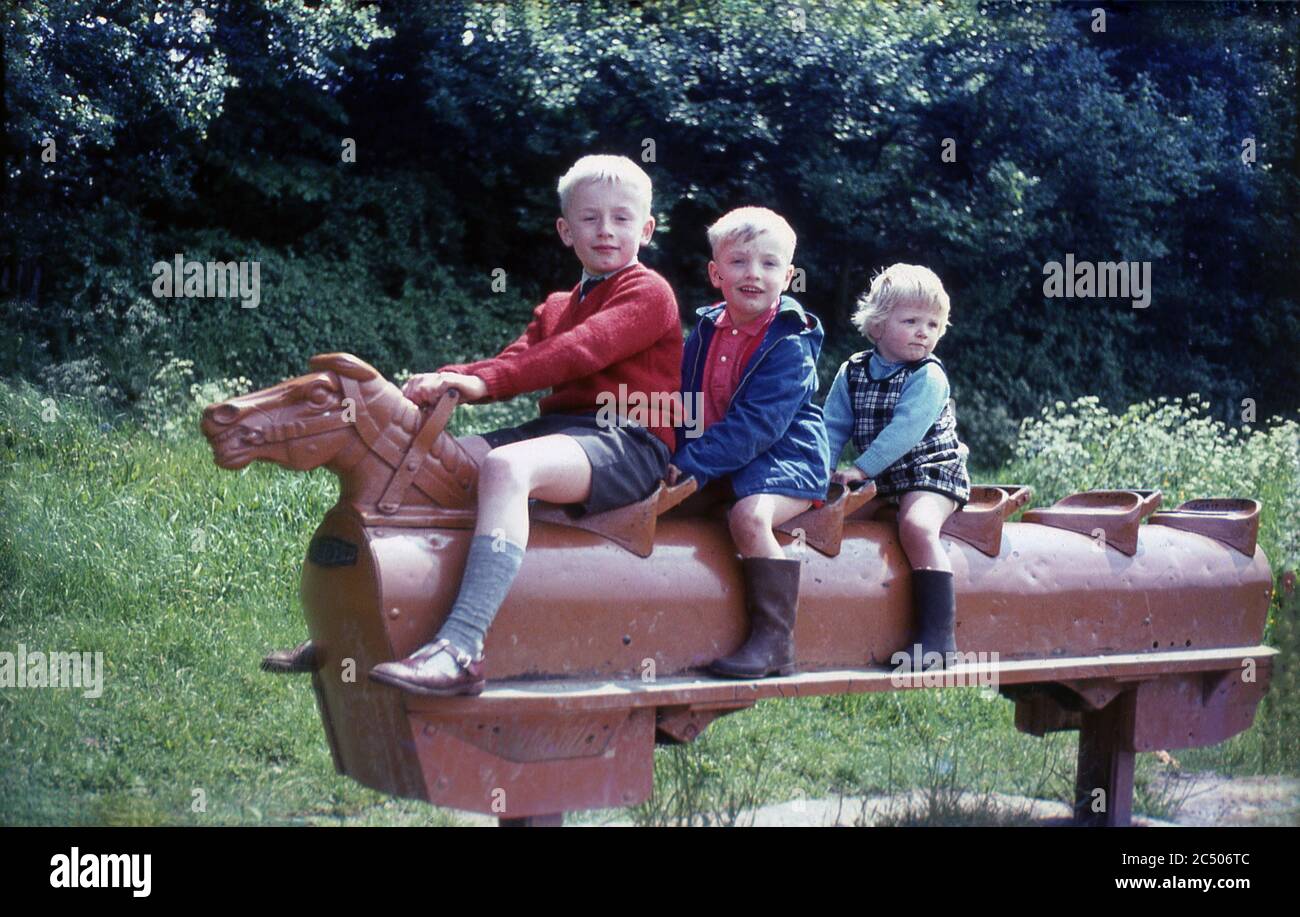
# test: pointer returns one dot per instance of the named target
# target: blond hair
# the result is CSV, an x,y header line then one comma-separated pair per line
x,y
605,168
896,285
745,224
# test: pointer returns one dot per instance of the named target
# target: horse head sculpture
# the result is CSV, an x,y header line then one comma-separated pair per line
x,y
395,462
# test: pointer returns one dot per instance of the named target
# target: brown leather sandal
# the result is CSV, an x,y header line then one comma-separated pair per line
x,y
415,674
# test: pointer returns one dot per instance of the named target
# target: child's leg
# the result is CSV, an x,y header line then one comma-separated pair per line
x,y
921,513
553,468
302,658
771,587
752,519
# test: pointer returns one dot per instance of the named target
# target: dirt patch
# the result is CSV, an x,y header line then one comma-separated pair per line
x,y
1208,799
1205,799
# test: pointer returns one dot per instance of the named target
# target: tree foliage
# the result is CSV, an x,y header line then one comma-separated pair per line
x,y
214,129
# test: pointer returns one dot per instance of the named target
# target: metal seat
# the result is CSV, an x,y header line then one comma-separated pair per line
x,y
631,527
1232,521
1115,514
978,523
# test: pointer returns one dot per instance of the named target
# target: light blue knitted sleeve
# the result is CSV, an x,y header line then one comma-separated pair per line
x,y
837,412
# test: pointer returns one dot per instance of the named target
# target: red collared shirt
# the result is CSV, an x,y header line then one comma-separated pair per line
x,y
729,351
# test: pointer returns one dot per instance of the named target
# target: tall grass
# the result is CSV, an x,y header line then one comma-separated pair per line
x,y
182,575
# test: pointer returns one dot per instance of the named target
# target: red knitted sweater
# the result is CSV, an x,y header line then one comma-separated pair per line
x,y
626,331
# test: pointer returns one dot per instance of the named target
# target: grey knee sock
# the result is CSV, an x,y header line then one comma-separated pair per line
x,y
488,575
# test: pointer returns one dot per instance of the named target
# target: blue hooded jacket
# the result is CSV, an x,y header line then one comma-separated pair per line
x,y
772,438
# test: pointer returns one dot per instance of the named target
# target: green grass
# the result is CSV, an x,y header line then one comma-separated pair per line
x,y
183,575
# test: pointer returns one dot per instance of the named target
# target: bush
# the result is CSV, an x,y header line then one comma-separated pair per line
x,y
1174,446
172,405
986,426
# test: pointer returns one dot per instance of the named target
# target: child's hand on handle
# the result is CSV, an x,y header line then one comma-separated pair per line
x,y
426,388
854,475
673,474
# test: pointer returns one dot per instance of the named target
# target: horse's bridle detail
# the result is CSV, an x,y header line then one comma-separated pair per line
x,y
421,447
448,479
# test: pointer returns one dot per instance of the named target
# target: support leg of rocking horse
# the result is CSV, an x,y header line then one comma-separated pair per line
x,y
1103,789
553,820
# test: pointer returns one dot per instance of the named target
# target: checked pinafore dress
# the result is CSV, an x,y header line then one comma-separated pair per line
x,y
935,463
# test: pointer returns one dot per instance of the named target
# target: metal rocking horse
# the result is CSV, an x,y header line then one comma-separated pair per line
x,y
1138,635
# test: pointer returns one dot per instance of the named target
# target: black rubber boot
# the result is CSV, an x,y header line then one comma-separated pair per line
x,y
772,599
936,616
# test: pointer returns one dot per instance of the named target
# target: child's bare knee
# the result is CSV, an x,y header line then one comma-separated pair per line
x,y
503,467
916,531
745,523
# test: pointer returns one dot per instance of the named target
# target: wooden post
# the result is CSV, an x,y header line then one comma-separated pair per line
x,y
1104,764
554,820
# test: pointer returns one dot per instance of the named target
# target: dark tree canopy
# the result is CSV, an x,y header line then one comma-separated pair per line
x,y
215,130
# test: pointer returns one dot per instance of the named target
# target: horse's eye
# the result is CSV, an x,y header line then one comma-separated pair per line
x,y
319,395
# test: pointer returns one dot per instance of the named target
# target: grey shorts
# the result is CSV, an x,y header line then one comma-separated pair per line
x,y
627,463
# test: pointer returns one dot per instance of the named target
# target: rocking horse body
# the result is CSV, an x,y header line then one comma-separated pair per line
x,y
384,566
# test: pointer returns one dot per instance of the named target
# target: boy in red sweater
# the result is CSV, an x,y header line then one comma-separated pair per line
x,y
618,326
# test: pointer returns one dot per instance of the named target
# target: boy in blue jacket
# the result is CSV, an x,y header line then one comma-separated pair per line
x,y
751,365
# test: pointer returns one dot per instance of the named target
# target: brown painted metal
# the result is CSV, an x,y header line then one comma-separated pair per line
x,y
683,724
1119,717
1115,514
1103,782
1067,676
1046,594
823,528
594,653
1234,522
631,527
